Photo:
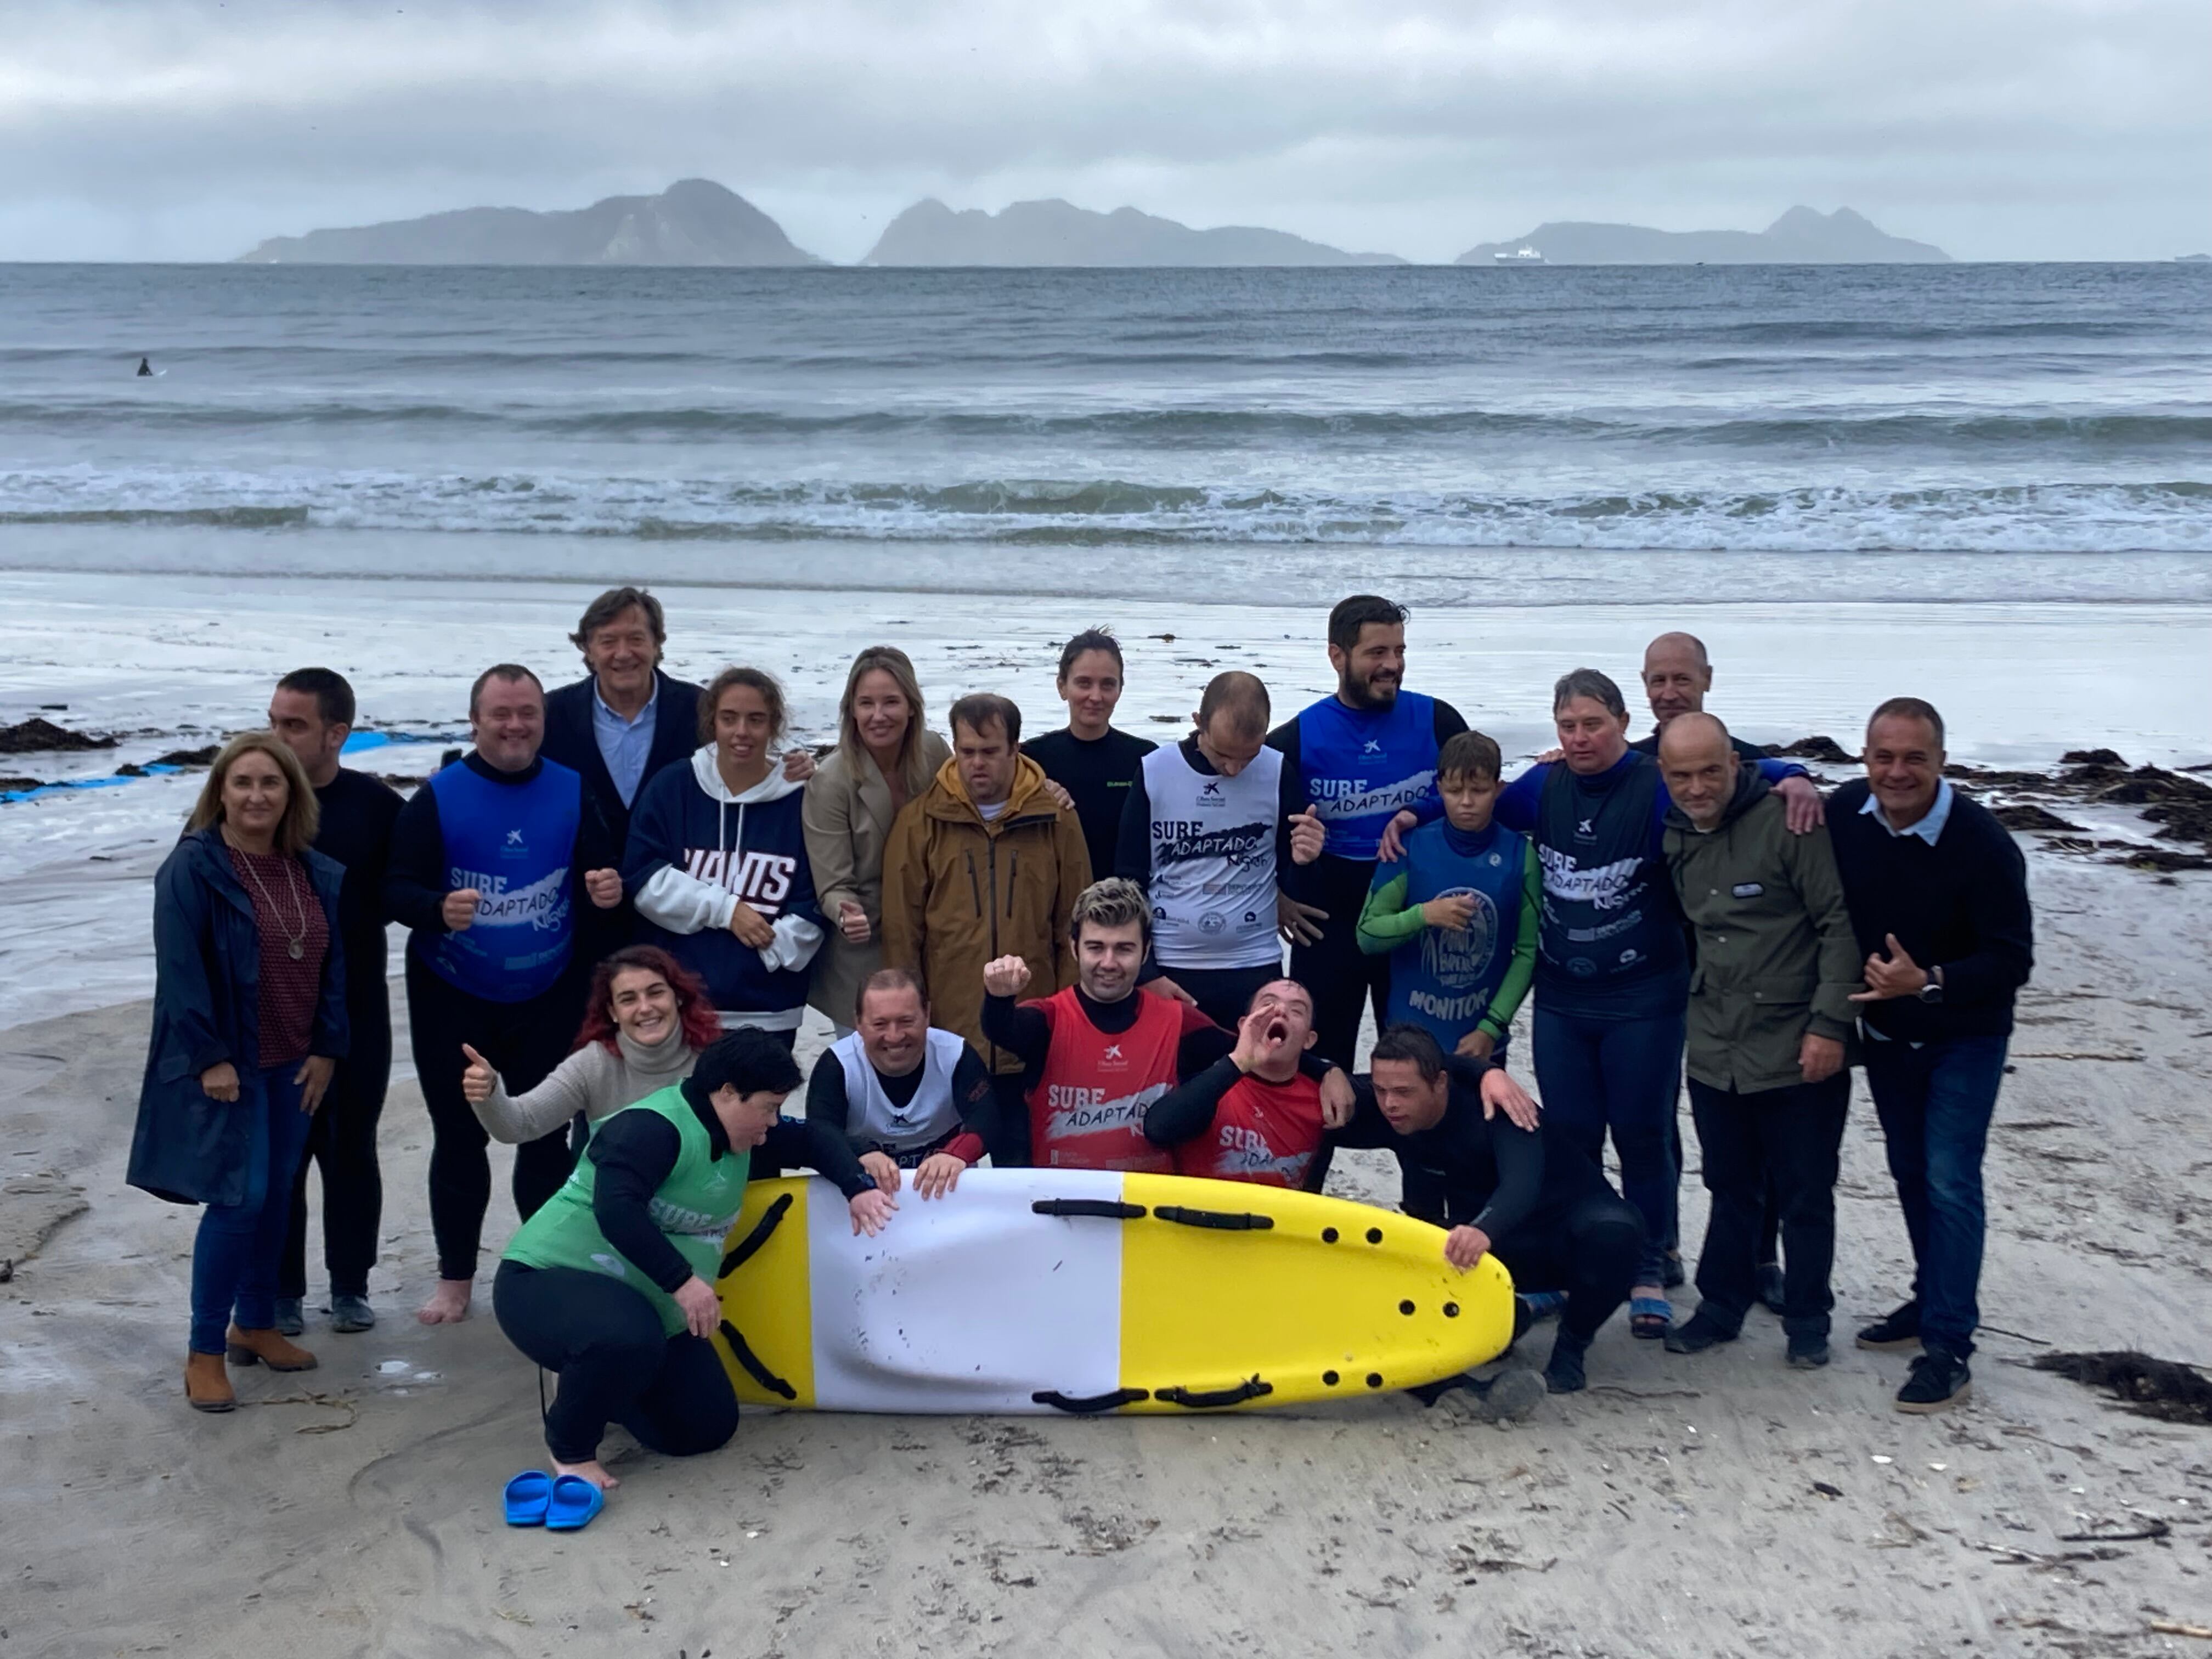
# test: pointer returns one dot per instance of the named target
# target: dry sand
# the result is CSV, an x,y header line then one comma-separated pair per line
x,y
1672,1510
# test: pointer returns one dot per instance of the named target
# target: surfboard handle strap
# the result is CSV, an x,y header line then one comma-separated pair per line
x,y
1223,1220
1251,1388
743,1353
1105,1209
1086,1404
750,1244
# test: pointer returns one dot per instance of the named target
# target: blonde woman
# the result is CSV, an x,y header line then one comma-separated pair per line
x,y
886,755
249,1023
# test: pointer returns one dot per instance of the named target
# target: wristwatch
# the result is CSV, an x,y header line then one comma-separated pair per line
x,y
1933,990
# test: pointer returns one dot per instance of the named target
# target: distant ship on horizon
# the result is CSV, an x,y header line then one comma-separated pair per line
x,y
1521,256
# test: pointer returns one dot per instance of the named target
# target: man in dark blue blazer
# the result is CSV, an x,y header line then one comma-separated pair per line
x,y
623,723
625,719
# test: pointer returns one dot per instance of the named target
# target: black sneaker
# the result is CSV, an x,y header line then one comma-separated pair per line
x,y
1808,1354
1771,1286
1563,1373
1938,1381
291,1316
352,1313
1700,1331
1893,1331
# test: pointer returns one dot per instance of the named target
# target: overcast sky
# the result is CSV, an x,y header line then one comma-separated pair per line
x,y
1998,129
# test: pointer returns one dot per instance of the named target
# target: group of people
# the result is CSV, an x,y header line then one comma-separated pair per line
x,y
1069,952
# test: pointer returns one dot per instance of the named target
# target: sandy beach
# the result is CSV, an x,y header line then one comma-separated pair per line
x,y
1708,1506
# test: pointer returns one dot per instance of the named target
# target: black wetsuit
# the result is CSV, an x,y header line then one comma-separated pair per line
x,y
1553,1220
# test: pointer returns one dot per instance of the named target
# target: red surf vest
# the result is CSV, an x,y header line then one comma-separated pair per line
x,y
1087,1111
1265,1132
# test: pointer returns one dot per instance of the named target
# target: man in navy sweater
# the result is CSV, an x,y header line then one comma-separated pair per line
x,y
1937,891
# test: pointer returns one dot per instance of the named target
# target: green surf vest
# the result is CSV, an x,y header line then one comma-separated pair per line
x,y
695,1206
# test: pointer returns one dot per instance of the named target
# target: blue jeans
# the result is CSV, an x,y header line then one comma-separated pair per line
x,y
235,1256
1621,1075
1934,1103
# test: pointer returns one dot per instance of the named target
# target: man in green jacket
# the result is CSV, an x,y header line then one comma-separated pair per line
x,y
1770,1018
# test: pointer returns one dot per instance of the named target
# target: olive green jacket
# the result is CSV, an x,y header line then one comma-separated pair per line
x,y
1774,953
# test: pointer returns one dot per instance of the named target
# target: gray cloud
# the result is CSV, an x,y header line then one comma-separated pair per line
x,y
1999,128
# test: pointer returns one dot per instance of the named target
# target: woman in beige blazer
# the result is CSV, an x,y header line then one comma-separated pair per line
x,y
885,757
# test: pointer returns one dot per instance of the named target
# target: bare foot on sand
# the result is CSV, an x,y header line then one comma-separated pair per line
x,y
591,1472
448,1303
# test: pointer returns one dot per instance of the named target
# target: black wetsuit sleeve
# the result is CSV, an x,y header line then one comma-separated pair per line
x,y
1023,1032
793,1145
1284,740
1366,1127
977,1097
1132,842
1290,801
415,876
1186,1111
825,1094
632,1154
1449,723
1518,1154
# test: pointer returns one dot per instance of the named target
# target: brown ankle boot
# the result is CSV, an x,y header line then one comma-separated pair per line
x,y
207,1384
279,1353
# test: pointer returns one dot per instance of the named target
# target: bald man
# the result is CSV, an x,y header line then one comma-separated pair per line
x,y
1209,830
1770,1016
1677,674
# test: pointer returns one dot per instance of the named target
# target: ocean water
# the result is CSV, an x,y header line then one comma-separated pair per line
x,y
1453,436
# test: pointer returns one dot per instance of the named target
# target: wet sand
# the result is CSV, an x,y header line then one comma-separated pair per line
x,y
1676,1508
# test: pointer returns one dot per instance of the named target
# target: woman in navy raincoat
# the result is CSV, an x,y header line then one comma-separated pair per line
x,y
249,1021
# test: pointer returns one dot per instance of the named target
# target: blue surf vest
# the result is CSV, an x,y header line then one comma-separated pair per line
x,y
1441,981
1360,767
1611,943
513,843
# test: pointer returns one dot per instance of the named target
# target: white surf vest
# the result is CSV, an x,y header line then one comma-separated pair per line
x,y
930,1117
1213,861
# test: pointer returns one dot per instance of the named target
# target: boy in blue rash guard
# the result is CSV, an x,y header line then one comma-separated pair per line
x,y
1613,971
1458,914
1365,760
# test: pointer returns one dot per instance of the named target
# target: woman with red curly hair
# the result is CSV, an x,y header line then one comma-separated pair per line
x,y
645,1021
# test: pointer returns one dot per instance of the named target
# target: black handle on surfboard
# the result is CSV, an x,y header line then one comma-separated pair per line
x,y
1251,1388
743,1353
1223,1220
749,1245
1086,1403
1105,1209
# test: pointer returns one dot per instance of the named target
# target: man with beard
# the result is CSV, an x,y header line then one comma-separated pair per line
x,y
1097,1055
1365,760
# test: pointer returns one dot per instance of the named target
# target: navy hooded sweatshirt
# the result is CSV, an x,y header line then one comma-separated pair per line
x,y
695,851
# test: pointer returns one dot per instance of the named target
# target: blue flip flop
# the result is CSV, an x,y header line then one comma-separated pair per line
x,y
527,1496
1649,1317
574,1502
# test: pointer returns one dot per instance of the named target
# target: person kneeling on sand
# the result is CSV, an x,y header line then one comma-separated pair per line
x,y
645,1021
609,1285
1253,1114
1463,1129
904,1094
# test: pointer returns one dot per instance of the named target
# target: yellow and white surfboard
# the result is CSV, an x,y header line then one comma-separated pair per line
x,y
1037,1291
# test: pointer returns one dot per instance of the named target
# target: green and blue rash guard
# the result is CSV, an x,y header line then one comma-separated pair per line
x,y
1613,944
1359,768
1453,983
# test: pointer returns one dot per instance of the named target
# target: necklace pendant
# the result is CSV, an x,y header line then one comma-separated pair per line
x,y
295,948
